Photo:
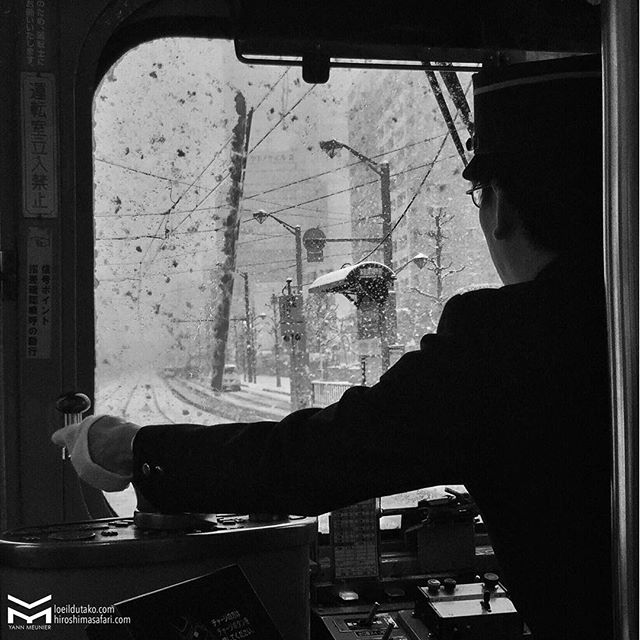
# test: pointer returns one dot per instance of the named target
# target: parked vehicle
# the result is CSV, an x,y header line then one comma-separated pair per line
x,y
230,378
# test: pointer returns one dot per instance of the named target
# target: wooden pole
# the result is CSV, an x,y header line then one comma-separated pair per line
x,y
231,225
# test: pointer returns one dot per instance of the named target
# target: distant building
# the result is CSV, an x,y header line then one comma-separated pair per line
x,y
398,121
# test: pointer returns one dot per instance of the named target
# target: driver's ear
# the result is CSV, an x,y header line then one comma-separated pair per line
x,y
507,219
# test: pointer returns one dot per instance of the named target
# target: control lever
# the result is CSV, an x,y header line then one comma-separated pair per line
x,y
368,621
72,405
490,583
388,631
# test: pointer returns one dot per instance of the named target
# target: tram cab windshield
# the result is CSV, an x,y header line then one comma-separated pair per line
x,y
162,181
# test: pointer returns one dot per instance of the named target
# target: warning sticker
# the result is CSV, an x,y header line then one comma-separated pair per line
x,y
39,293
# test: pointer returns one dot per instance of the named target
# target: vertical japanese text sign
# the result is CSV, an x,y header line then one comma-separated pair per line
x,y
39,145
39,293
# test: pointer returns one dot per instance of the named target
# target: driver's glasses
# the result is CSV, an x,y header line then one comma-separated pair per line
x,y
477,193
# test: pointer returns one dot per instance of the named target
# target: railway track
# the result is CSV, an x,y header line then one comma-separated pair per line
x,y
245,409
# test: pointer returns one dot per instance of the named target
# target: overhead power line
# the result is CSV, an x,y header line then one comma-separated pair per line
x,y
266,135
217,154
297,205
275,126
261,193
345,166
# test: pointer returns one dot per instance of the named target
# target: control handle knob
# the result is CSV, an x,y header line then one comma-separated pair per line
x,y
433,586
72,405
449,585
491,581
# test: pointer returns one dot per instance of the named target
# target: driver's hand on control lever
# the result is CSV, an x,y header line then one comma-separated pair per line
x,y
101,450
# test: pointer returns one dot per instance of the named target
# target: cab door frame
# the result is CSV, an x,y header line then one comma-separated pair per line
x,y
620,76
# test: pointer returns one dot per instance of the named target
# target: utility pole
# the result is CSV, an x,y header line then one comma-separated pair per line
x,y
251,347
387,320
298,235
276,338
299,353
231,225
385,197
388,314
294,330
300,380
240,345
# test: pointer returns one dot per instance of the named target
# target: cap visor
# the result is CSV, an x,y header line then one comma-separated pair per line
x,y
477,166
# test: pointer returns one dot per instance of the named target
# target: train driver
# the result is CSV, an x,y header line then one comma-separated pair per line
x,y
510,396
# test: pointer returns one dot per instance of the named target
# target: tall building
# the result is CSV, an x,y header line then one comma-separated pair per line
x,y
395,118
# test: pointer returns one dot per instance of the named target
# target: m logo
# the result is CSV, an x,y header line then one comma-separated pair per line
x,y
12,613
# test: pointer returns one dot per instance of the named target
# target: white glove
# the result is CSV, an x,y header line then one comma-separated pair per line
x,y
101,450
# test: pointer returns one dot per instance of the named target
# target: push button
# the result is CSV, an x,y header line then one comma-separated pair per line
x,y
433,586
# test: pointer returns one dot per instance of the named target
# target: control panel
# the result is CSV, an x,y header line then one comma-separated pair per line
x,y
413,573
470,611
443,610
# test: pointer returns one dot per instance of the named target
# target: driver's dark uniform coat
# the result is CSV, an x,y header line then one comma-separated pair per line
x,y
510,398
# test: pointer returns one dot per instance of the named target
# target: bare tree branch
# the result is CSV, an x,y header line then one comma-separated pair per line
x,y
453,271
425,294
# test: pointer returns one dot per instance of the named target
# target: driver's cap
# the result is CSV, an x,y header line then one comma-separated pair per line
x,y
543,109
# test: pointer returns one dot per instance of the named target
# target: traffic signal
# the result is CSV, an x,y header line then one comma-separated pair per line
x,y
314,240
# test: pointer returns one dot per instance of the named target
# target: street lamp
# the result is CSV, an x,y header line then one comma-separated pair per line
x,y
261,215
300,382
420,260
331,148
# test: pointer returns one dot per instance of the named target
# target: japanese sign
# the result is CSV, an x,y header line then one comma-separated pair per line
x,y
37,23
216,606
354,538
39,145
368,346
39,293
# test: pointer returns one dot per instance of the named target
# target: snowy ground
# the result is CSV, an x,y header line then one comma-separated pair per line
x,y
147,398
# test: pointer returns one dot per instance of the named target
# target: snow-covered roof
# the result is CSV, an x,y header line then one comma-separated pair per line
x,y
347,278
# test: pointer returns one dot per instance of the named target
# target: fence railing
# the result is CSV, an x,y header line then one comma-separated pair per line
x,y
325,393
